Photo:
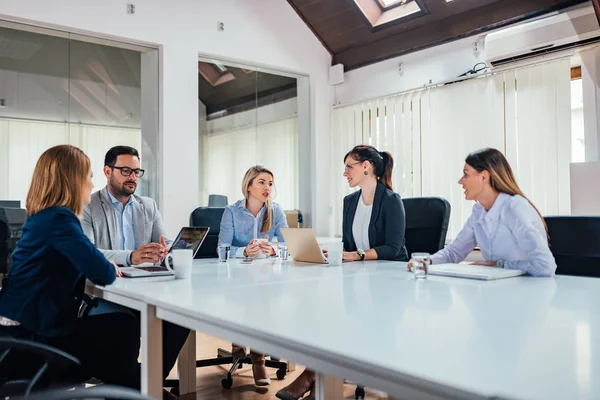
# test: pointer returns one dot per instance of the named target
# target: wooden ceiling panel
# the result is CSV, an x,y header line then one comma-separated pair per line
x,y
347,34
248,89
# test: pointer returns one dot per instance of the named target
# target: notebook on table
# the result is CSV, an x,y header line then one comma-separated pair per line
x,y
473,271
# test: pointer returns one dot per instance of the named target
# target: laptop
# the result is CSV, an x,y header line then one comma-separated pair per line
x,y
302,245
188,238
473,271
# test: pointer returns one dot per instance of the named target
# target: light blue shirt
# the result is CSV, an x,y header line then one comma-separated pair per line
x,y
511,231
124,224
239,226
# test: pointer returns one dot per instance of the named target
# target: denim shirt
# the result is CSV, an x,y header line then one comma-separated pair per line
x,y
239,227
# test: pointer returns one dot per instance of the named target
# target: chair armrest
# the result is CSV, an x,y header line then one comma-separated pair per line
x,y
100,391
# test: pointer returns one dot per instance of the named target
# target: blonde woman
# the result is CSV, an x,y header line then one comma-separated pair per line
x,y
247,226
42,293
508,228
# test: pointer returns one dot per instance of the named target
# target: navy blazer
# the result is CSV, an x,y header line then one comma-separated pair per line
x,y
386,228
45,285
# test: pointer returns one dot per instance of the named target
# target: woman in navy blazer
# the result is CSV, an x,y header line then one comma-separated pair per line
x,y
41,295
373,227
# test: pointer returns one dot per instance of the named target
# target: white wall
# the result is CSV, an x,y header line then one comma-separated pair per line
x,y
436,64
265,32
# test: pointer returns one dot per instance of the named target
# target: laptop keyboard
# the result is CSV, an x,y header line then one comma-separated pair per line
x,y
152,269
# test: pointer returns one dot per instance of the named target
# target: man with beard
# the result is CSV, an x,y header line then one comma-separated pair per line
x,y
128,230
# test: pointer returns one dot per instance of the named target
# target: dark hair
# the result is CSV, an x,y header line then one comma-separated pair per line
x,y
382,162
502,178
111,155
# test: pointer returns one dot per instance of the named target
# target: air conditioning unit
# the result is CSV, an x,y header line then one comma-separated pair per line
x,y
563,31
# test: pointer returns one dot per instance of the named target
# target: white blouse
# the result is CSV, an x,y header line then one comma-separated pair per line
x,y
511,231
360,225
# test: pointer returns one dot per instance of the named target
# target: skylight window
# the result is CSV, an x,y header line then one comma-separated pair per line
x,y
380,13
390,3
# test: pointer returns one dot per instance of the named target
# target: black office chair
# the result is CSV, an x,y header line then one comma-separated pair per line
x,y
95,392
211,217
427,220
575,244
55,363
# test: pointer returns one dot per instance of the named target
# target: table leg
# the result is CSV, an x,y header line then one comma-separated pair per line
x,y
329,388
151,327
186,366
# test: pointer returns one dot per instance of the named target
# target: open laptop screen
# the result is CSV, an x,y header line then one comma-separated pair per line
x,y
190,238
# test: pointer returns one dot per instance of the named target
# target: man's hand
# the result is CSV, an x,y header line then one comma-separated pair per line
x,y
150,253
165,248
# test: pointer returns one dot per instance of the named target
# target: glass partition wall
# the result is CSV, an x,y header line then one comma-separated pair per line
x,y
248,116
60,88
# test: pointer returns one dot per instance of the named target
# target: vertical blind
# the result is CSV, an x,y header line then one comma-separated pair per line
x,y
22,142
524,113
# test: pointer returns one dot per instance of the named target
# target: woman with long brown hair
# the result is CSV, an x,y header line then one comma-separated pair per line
x,y
247,225
508,228
41,295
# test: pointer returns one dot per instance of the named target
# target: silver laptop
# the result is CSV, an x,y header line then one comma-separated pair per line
x,y
473,271
188,238
302,245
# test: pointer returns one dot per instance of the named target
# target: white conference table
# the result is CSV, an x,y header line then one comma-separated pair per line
x,y
371,322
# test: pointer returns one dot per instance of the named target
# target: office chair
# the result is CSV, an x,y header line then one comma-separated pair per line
x,y
54,364
427,220
94,392
211,217
575,244
217,200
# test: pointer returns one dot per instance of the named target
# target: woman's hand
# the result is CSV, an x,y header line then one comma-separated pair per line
x,y
266,247
253,249
350,256
484,263
117,270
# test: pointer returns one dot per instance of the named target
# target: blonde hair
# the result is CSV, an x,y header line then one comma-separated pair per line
x,y
58,180
249,177
502,178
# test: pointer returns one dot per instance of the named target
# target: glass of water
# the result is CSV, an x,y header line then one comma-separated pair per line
x,y
223,252
420,264
283,251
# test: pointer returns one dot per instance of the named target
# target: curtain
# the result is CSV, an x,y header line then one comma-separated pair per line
x,y
226,156
22,142
525,113
390,124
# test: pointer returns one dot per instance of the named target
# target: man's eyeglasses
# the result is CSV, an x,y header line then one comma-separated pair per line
x,y
126,171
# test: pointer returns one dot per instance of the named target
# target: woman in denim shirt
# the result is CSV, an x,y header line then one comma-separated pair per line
x,y
243,224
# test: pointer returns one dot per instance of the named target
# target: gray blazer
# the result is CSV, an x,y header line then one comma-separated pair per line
x,y
99,224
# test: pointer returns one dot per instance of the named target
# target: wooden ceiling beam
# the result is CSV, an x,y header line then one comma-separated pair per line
x,y
596,4
472,22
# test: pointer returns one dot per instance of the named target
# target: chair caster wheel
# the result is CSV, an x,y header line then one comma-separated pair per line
x,y
281,373
359,393
227,383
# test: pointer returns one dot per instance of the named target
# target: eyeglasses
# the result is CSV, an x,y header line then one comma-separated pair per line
x,y
349,166
126,171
